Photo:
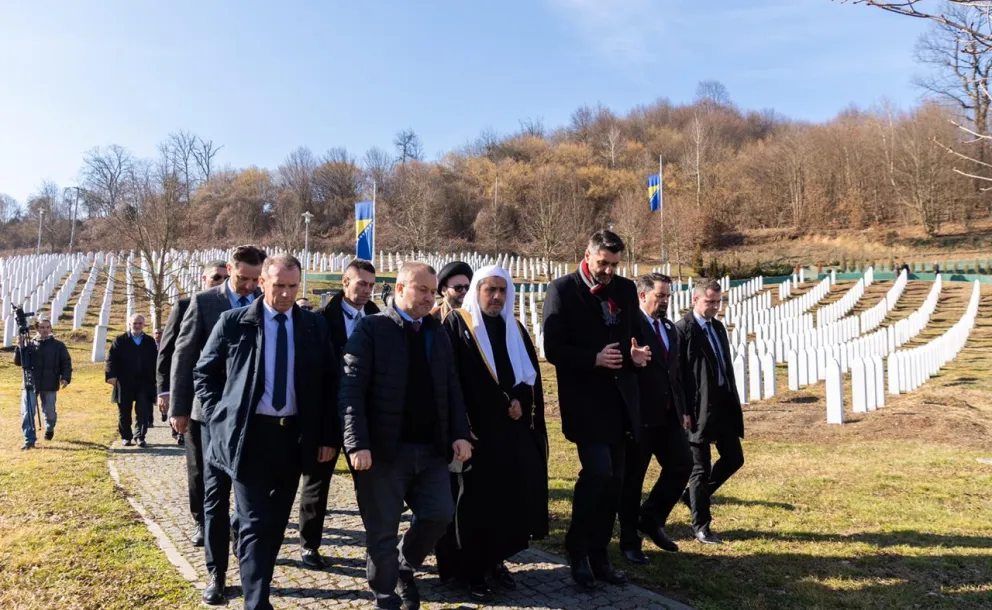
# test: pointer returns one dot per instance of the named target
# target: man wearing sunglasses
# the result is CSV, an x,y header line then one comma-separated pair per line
x,y
453,282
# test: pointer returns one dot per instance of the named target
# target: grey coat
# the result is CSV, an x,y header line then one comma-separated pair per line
x,y
372,391
204,310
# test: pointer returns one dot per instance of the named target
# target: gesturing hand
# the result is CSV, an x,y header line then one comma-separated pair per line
x,y
640,355
463,449
610,357
516,411
361,460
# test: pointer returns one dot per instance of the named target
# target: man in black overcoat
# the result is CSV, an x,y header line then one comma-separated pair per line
x,y
592,337
664,422
130,369
713,404
342,313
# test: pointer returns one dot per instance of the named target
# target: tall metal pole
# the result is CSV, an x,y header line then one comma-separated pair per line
x,y
72,227
307,216
661,206
372,244
41,215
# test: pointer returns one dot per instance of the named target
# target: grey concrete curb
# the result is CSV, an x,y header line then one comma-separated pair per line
x,y
171,552
669,603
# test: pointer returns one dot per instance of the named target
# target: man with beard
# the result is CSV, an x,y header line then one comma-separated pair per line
x,y
502,494
663,425
452,285
130,369
712,401
342,313
591,331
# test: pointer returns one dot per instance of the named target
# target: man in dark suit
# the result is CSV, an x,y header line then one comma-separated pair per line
x,y
342,314
188,415
401,402
214,274
130,369
712,401
663,424
268,378
591,336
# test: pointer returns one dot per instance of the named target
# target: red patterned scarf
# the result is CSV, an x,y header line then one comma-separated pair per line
x,y
610,309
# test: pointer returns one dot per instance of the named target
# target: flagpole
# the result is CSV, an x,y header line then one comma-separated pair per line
x,y
661,206
372,245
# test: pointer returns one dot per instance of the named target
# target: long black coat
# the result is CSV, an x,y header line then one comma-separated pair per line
x,y
229,380
660,382
133,366
168,345
597,404
711,420
505,499
373,386
334,316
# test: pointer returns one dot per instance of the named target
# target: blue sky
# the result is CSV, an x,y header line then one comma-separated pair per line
x,y
263,77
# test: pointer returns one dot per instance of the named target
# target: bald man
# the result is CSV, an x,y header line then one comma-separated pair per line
x,y
131,371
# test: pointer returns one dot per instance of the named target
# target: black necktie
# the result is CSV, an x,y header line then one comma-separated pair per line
x,y
282,364
415,325
243,302
718,351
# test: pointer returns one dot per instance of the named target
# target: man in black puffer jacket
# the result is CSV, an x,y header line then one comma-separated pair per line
x,y
51,370
401,402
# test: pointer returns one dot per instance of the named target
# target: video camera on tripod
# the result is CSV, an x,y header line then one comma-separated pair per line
x,y
26,351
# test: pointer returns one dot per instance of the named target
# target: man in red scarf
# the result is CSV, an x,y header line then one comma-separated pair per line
x,y
592,337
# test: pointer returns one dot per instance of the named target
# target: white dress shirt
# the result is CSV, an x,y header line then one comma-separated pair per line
x,y
271,330
664,332
351,317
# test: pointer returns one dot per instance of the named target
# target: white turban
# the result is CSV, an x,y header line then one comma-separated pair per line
x,y
523,369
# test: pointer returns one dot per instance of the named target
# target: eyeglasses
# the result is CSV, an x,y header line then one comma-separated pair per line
x,y
459,287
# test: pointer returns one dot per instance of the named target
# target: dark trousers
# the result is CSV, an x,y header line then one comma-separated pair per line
x,y
194,469
705,480
216,511
668,444
263,496
419,476
142,407
595,501
313,503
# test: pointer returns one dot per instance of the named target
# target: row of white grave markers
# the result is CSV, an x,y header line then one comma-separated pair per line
x,y
835,311
842,342
872,318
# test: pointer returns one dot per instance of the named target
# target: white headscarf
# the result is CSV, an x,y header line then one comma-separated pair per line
x,y
523,369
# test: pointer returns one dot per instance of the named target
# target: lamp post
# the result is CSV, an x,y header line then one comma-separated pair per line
x,y
307,217
41,215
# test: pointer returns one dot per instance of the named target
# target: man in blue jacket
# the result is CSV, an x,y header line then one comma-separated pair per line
x,y
268,378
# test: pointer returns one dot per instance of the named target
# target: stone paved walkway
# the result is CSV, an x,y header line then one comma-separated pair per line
x,y
155,479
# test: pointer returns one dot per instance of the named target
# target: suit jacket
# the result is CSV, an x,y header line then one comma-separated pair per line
x,y
230,380
373,386
334,316
163,368
712,415
597,404
133,366
660,382
205,309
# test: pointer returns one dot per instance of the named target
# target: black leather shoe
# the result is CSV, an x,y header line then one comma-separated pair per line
x,y
603,570
503,577
658,537
707,537
142,443
198,535
180,440
406,588
636,557
27,446
311,558
49,435
582,574
479,591
214,593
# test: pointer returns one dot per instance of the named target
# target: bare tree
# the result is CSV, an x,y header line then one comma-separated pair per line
x,y
377,164
545,217
712,93
613,144
9,209
414,206
337,184
408,146
632,222
204,153
793,160
296,177
104,176
533,127
695,153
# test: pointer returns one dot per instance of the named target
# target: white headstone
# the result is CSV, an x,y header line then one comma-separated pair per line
x,y
835,393
99,343
858,386
768,372
740,377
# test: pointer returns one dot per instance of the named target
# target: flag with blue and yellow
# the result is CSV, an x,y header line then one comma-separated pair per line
x,y
365,229
654,191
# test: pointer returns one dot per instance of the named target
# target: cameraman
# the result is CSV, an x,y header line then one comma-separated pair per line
x,y
51,370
